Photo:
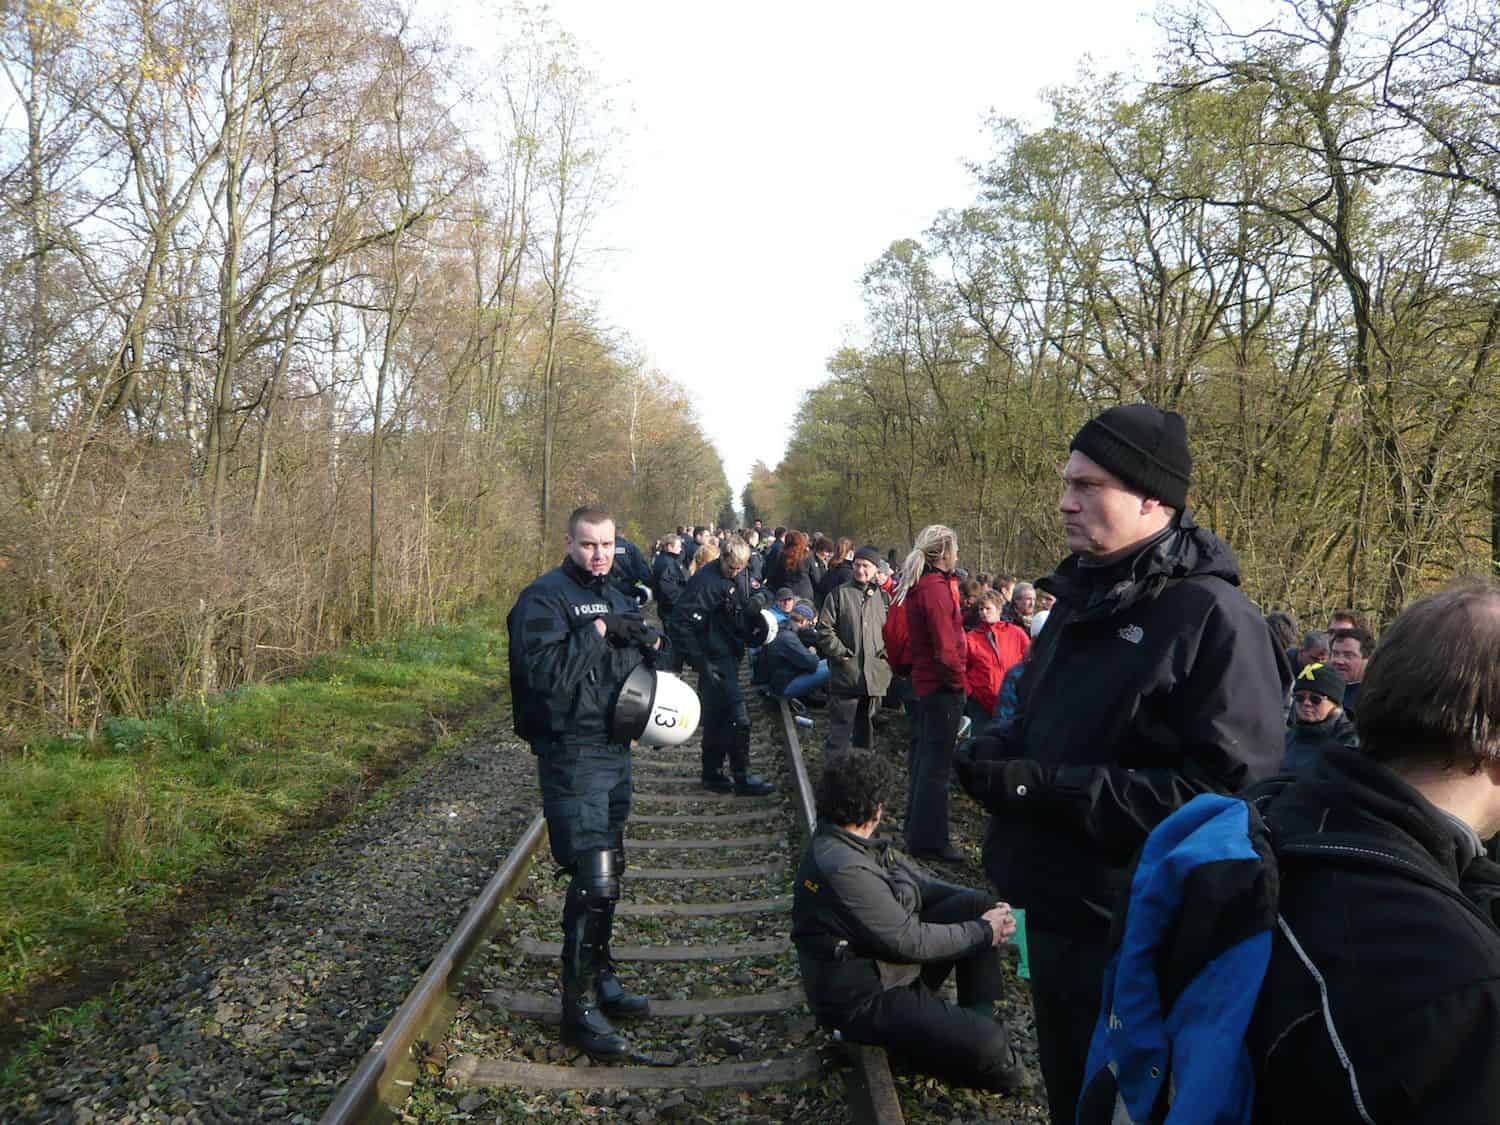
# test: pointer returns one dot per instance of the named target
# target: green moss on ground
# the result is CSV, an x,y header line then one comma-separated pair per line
x,y
95,832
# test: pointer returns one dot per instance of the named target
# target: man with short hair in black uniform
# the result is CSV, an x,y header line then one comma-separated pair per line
x,y
574,638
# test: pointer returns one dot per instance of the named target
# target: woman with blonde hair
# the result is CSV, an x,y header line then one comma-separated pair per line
x,y
702,557
939,657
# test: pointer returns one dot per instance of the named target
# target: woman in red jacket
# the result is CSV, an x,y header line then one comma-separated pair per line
x,y
994,646
939,655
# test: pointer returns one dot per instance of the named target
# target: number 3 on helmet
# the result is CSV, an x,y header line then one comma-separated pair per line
x,y
655,707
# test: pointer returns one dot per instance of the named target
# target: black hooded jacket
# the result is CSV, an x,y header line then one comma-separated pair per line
x,y
1155,679
1387,1006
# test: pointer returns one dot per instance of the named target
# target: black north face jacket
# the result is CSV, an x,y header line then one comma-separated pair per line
x,y
1154,680
1382,999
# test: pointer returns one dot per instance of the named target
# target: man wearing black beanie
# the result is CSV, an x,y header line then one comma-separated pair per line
x,y
1154,680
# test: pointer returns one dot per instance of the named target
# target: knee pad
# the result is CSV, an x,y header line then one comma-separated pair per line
x,y
599,875
740,716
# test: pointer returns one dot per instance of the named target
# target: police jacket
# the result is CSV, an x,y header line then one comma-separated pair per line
x,y
630,569
1386,1007
851,635
564,676
708,621
857,921
670,578
1155,679
788,658
1306,742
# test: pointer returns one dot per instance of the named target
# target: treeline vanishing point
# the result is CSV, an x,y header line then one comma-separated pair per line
x,y
1291,234
291,351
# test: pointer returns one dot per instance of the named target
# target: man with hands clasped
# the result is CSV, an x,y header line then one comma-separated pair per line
x,y
1155,680
876,936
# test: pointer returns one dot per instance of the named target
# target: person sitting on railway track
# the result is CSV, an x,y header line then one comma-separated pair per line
x,y
795,670
711,626
574,638
876,936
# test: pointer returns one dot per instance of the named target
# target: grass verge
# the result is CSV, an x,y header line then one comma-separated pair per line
x,y
98,832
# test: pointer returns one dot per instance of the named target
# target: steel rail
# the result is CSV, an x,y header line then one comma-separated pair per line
x,y
382,1080
870,1090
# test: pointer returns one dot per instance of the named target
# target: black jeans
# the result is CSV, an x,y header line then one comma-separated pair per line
x,y
851,722
930,770
933,1036
1067,975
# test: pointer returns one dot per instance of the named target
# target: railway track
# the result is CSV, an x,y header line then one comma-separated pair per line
x,y
702,929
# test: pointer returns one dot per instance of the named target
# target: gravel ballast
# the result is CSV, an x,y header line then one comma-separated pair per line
x,y
260,1013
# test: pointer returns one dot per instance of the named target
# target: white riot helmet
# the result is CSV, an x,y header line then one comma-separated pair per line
x,y
655,707
763,628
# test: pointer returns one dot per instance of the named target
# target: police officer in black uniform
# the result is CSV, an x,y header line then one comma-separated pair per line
x,y
710,626
574,638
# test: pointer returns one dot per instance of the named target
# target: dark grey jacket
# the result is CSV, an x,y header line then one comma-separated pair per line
x,y
857,925
850,637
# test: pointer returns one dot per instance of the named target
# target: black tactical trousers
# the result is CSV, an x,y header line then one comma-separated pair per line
x,y
929,1034
585,797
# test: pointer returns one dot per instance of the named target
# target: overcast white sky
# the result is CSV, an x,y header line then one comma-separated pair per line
x,y
771,151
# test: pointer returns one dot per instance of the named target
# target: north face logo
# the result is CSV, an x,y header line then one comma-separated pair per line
x,y
1132,633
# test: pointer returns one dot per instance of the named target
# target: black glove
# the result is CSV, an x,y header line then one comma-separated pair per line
x,y
708,677
731,602
808,636
1001,781
622,630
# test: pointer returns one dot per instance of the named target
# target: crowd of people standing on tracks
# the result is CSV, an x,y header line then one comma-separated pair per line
x,y
1253,862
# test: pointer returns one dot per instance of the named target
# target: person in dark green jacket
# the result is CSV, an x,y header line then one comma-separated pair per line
x,y
850,637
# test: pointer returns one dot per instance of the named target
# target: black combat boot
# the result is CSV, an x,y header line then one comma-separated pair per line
x,y
614,1001
746,784
583,1025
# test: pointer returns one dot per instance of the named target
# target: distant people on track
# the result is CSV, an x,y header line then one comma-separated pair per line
x,y
1381,997
939,658
792,567
711,627
851,627
1155,679
1348,651
877,936
574,638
